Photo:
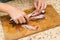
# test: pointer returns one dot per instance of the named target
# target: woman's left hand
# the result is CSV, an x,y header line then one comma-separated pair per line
x,y
39,6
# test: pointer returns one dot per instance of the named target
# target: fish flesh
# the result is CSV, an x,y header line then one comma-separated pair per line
x,y
41,16
30,27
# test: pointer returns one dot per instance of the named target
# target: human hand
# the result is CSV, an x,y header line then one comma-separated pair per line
x,y
39,5
18,16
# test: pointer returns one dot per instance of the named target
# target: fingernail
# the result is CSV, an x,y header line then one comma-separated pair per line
x,y
43,11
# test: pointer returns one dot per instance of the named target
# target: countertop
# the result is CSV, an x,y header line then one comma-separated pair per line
x,y
51,34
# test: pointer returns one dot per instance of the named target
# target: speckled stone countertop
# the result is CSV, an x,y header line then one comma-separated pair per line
x,y
51,34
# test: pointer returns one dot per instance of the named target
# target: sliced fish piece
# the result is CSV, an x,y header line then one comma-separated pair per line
x,y
27,26
38,17
36,13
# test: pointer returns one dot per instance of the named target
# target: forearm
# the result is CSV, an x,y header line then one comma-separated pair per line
x,y
6,8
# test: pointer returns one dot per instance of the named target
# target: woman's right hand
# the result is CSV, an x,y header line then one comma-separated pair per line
x,y
18,16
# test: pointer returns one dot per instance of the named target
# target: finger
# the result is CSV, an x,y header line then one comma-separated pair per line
x,y
45,5
39,5
35,5
23,19
20,21
26,18
42,7
16,21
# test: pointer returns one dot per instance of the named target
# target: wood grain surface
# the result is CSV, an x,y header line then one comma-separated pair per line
x,y
52,19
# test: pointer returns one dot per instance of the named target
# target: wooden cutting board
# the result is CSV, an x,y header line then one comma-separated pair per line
x,y
51,20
